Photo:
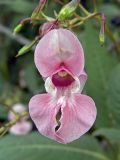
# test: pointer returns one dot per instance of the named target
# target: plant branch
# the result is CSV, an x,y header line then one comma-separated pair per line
x,y
94,3
84,10
6,126
111,36
8,108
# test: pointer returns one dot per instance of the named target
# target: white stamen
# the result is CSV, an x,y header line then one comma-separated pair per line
x,y
62,73
61,100
49,86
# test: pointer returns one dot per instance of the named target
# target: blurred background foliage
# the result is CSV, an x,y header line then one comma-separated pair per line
x,y
19,80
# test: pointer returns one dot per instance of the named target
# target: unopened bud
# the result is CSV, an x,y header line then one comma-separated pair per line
x,y
102,30
68,10
46,27
25,49
101,38
18,28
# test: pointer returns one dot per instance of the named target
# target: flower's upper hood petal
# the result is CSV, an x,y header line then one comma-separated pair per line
x,y
59,47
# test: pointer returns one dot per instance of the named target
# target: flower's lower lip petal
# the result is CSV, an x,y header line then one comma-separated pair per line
x,y
77,117
43,111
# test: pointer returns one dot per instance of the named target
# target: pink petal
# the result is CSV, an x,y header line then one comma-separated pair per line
x,y
43,112
83,79
78,115
77,118
59,47
21,128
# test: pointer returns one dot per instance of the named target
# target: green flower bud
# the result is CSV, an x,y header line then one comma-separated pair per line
x,y
102,38
25,49
68,10
102,30
18,28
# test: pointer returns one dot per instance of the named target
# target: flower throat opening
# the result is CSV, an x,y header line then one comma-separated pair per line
x,y
62,79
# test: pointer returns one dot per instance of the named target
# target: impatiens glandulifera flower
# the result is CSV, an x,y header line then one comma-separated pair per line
x,y
22,127
62,114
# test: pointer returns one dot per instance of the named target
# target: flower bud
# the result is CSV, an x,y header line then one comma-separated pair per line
x,y
46,27
101,38
26,48
68,10
102,30
18,28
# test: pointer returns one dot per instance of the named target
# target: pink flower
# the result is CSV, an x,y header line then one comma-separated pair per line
x,y
62,114
23,126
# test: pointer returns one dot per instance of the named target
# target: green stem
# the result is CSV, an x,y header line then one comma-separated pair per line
x,y
83,20
8,107
49,19
73,21
108,32
95,6
111,36
84,10
6,126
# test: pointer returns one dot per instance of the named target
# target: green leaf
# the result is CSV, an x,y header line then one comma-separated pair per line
x,y
99,64
113,135
19,6
3,113
113,93
110,10
34,146
33,80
